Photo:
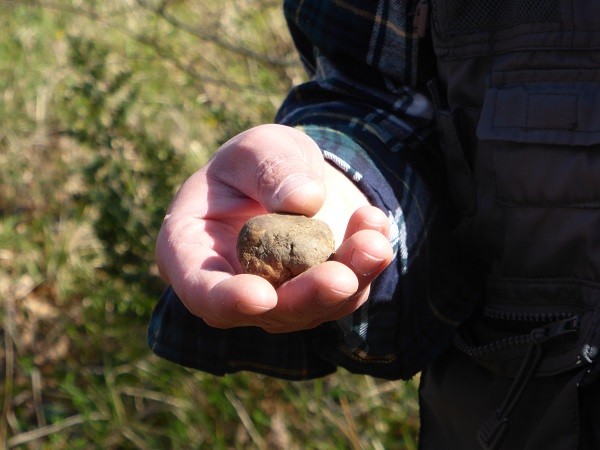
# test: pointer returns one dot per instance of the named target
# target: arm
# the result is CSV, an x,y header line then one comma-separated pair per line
x,y
363,110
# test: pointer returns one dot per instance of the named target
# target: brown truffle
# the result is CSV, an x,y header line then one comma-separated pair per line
x,y
278,247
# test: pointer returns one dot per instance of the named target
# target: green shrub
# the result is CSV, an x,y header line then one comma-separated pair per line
x,y
131,176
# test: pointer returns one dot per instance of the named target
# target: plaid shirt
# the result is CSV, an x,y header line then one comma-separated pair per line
x,y
365,109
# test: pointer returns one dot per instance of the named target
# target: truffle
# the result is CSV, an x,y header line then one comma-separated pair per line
x,y
278,247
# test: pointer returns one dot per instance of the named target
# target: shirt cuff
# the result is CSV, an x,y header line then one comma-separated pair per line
x,y
178,336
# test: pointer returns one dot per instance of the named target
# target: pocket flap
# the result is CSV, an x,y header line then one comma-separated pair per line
x,y
544,113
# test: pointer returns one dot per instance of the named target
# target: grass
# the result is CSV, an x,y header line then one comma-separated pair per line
x,y
106,106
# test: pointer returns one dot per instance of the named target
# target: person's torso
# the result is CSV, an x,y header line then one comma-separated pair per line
x,y
518,112
519,109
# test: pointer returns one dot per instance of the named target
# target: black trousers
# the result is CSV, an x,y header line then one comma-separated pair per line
x,y
558,412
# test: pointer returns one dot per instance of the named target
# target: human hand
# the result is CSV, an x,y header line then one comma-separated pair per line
x,y
271,168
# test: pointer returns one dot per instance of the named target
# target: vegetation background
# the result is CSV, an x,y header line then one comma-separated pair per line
x,y
106,106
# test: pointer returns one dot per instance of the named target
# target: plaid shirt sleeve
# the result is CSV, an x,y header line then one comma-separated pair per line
x,y
364,108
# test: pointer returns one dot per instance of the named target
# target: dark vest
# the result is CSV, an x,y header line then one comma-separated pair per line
x,y
519,114
518,109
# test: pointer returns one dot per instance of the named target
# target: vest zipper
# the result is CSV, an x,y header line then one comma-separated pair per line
x,y
529,316
508,342
494,430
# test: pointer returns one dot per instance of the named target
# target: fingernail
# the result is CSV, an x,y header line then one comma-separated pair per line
x,y
376,226
364,263
291,185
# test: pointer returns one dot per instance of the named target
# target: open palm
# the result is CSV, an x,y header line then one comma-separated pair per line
x,y
271,168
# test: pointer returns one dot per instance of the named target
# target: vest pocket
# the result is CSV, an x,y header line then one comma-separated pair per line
x,y
545,140
560,315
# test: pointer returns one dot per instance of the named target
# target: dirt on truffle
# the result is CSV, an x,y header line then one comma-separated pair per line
x,y
278,247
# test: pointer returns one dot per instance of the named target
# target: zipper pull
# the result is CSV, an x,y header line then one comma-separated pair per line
x,y
588,354
555,329
421,19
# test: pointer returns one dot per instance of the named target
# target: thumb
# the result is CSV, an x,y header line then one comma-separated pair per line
x,y
278,166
